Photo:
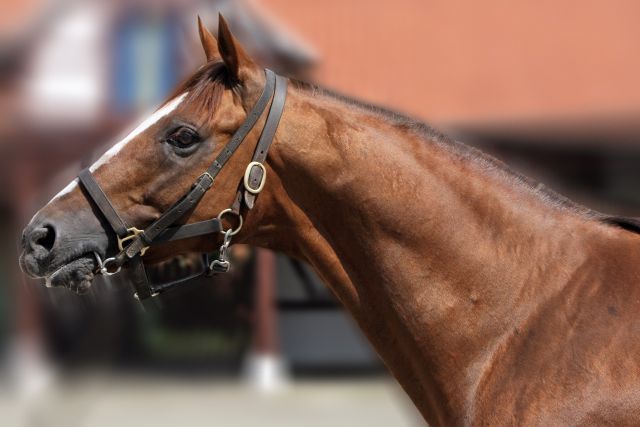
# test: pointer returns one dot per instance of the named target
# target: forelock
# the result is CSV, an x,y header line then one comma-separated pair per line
x,y
205,87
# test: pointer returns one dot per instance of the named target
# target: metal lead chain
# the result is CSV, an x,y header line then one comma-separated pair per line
x,y
222,264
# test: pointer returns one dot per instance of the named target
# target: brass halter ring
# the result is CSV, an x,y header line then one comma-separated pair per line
x,y
133,232
233,231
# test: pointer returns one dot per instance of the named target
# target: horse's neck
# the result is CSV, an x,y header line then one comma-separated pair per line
x,y
436,258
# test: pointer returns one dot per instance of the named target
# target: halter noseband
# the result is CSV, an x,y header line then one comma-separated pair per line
x,y
133,242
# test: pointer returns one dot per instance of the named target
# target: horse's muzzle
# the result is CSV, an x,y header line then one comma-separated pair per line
x,y
51,242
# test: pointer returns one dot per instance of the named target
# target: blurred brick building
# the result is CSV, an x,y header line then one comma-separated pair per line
x,y
469,62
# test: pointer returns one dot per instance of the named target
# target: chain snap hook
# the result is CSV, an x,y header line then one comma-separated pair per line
x,y
223,264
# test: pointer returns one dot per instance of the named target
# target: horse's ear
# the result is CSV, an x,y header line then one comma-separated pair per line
x,y
233,54
209,43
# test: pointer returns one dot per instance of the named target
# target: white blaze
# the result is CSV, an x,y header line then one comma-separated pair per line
x,y
150,121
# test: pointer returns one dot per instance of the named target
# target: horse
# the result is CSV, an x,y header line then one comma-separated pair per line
x,y
490,298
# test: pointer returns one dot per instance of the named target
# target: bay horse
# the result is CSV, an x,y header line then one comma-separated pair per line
x,y
491,299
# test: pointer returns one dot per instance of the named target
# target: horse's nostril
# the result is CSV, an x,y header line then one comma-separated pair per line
x,y
47,238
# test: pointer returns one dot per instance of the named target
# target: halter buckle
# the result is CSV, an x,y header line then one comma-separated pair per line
x,y
153,295
133,233
247,177
201,177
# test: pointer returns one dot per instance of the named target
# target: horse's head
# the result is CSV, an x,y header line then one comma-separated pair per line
x,y
144,174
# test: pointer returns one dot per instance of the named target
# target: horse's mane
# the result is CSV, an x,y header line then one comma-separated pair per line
x,y
465,151
207,84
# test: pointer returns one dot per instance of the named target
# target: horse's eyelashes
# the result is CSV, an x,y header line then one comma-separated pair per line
x,y
183,137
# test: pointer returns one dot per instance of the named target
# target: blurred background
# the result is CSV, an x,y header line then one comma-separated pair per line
x,y
549,87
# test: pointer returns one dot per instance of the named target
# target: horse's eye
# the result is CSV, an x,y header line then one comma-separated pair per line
x,y
183,137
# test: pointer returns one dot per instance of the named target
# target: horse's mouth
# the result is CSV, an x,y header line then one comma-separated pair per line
x,y
75,274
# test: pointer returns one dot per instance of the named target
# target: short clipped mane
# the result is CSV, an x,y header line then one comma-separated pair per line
x,y
473,154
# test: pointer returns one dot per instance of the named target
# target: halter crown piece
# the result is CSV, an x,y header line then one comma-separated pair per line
x,y
134,242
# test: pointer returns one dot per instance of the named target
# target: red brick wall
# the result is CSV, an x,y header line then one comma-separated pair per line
x,y
476,61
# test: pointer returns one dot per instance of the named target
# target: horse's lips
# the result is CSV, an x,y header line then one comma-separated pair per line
x,y
76,275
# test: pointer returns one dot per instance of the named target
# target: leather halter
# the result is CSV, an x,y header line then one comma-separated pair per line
x,y
133,242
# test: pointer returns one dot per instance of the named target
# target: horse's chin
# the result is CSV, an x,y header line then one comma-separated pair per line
x,y
76,275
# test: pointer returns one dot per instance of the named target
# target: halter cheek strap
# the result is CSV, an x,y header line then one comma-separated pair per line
x,y
255,174
133,242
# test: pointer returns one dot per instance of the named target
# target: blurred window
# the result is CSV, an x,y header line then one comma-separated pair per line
x,y
146,63
66,81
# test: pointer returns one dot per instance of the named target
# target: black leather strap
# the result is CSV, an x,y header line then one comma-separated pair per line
x,y
177,211
266,139
145,289
186,231
246,127
102,202
273,120
139,278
